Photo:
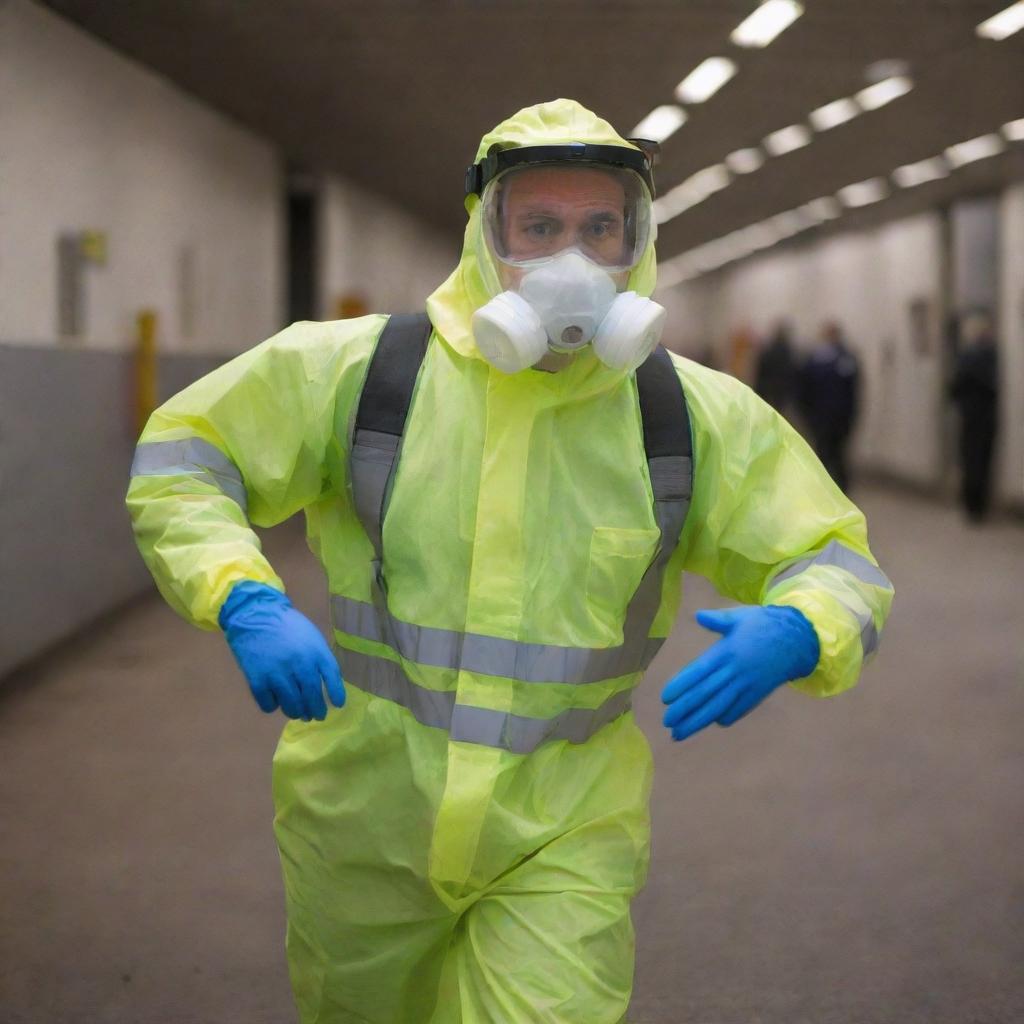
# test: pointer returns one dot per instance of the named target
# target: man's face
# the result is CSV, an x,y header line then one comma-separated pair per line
x,y
548,209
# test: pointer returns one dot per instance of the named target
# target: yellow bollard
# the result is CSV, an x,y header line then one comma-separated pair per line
x,y
145,365
350,304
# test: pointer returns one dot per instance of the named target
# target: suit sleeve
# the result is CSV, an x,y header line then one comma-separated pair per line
x,y
252,443
768,526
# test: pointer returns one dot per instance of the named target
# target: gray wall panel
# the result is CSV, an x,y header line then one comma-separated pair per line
x,y
67,431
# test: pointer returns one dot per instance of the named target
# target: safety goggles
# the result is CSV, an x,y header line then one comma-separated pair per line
x,y
535,206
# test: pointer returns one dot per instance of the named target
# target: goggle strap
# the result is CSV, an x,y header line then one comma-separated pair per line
x,y
500,160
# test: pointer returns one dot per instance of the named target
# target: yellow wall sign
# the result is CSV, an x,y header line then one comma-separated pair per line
x,y
94,246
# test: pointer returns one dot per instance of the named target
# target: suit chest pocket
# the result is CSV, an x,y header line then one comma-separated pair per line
x,y
619,557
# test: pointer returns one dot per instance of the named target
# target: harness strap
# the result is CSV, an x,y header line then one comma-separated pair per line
x,y
381,415
380,424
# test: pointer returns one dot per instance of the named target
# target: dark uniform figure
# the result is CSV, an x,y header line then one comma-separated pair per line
x,y
776,375
828,396
975,390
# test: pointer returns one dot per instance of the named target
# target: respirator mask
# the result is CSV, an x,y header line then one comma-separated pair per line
x,y
563,238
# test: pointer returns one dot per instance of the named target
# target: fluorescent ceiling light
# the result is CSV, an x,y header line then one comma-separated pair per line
x,y
836,112
771,18
917,174
974,149
710,180
705,80
785,225
703,258
785,140
739,242
675,275
713,254
885,91
825,208
694,190
744,161
675,271
705,262
760,236
1014,130
660,123
1003,24
863,192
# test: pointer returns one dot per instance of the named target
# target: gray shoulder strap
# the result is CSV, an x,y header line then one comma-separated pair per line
x,y
381,415
668,445
380,424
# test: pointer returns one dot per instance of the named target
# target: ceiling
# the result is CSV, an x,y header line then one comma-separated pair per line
x,y
395,93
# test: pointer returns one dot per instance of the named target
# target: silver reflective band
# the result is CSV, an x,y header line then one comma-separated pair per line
x,y
868,635
385,678
491,655
498,656
842,557
523,735
191,456
519,734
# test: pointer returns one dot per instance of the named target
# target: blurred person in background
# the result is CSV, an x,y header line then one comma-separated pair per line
x,y
827,395
775,379
501,497
974,390
740,353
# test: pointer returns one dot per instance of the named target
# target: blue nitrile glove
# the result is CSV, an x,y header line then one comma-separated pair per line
x,y
282,654
761,648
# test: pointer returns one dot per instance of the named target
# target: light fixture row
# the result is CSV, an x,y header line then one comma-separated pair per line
x,y
777,143
746,241
766,22
1003,24
759,29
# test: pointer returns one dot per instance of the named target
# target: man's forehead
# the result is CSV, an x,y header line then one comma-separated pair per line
x,y
565,185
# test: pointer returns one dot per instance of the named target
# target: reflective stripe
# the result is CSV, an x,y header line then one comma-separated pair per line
x,y
500,656
490,655
191,456
522,735
465,723
374,457
511,659
841,556
385,678
868,633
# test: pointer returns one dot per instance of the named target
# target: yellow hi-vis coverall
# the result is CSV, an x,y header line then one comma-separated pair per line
x,y
482,873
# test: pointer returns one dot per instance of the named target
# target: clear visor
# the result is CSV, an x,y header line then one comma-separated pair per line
x,y
534,212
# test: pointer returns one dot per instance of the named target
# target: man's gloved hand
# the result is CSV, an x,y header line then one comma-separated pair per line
x,y
761,648
282,654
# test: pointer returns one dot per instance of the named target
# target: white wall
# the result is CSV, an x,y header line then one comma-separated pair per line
x,y
1011,337
92,140
866,280
369,247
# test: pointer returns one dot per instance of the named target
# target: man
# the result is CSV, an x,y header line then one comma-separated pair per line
x,y
828,394
775,380
461,840
975,391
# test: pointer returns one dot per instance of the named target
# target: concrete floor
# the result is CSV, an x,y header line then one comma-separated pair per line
x,y
856,861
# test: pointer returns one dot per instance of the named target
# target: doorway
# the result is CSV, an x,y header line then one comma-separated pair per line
x,y
303,248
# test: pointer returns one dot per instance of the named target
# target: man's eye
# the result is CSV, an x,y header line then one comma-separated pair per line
x,y
603,229
539,230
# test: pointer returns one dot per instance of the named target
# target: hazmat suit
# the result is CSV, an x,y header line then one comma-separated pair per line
x,y
461,841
